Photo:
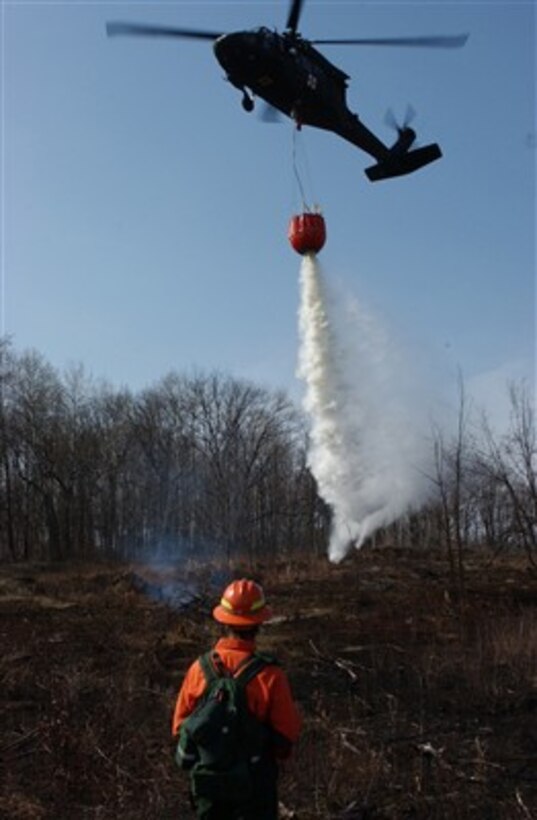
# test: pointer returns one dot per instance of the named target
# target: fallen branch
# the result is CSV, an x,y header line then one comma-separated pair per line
x,y
345,666
522,805
117,768
348,745
19,741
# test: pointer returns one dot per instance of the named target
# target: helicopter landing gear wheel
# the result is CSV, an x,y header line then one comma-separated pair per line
x,y
247,102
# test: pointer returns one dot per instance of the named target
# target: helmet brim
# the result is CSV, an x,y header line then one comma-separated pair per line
x,y
224,616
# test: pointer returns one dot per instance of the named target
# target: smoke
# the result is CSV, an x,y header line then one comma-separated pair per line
x,y
369,450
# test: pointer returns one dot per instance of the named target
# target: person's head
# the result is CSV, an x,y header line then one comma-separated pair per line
x,y
242,608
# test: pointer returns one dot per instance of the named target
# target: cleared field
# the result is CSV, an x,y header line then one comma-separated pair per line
x,y
416,704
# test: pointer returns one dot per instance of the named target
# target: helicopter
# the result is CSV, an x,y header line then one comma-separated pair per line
x,y
293,77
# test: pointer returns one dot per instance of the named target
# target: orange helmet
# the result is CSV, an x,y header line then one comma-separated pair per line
x,y
242,604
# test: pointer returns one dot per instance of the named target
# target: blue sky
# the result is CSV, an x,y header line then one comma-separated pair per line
x,y
145,213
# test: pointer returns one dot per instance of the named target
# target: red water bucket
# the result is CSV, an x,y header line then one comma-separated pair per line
x,y
307,233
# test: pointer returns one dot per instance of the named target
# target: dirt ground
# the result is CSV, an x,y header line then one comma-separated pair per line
x,y
416,703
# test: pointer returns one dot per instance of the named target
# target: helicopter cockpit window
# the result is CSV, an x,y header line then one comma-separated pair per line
x,y
268,37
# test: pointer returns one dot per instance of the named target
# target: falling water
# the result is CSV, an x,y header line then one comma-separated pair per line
x,y
369,451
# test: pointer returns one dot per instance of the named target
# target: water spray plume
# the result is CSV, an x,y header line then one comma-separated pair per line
x,y
368,448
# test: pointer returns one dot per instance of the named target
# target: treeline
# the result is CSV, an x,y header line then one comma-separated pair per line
x,y
209,465
190,467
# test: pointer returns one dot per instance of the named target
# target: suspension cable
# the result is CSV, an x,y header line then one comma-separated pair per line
x,y
296,172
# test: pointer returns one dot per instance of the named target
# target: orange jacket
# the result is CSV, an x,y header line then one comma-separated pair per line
x,y
268,694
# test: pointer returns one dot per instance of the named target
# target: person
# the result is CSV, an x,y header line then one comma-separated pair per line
x,y
241,612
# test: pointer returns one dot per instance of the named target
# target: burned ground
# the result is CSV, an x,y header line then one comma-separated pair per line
x,y
416,703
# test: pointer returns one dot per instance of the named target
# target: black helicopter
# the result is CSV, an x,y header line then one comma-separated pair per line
x,y
292,76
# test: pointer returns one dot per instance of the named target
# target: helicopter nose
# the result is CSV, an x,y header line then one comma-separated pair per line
x,y
230,49
224,48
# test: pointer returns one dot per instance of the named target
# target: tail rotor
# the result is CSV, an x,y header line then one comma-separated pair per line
x,y
406,134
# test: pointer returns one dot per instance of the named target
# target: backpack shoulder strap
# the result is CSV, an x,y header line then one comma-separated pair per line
x,y
270,660
211,666
251,667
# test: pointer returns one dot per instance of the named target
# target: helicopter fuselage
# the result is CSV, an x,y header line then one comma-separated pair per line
x,y
286,72
295,78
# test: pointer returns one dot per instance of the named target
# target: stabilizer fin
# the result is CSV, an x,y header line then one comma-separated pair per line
x,y
401,164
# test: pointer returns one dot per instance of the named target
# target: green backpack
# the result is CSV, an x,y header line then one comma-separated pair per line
x,y
221,742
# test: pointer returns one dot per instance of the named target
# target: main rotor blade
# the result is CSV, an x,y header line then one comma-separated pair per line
x,y
294,15
113,29
435,41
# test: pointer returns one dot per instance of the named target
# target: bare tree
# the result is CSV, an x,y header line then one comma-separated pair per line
x,y
452,478
241,433
7,491
510,463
